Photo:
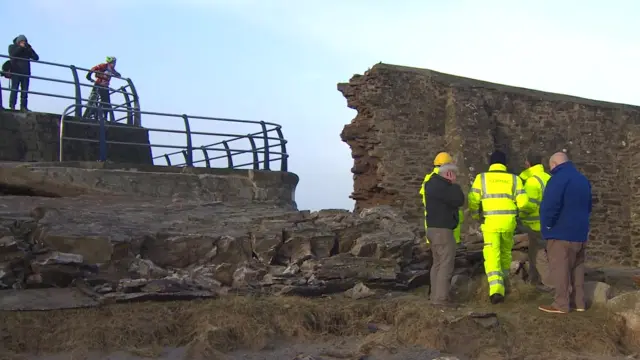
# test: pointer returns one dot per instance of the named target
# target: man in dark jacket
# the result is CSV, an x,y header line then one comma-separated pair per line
x,y
564,222
21,54
445,199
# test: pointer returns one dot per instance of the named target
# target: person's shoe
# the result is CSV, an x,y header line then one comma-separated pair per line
x,y
25,109
496,299
578,309
551,309
12,107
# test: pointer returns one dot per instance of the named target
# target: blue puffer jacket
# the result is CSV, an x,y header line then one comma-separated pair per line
x,y
566,205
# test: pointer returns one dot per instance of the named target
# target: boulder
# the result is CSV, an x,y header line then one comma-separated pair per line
x,y
597,293
359,291
628,306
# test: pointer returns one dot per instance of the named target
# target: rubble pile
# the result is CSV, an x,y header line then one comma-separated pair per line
x,y
115,250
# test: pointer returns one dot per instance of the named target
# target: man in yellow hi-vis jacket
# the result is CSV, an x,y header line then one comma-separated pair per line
x,y
535,180
441,159
496,196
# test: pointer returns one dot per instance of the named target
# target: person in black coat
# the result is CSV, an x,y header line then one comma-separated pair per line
x,y
445,199
21,54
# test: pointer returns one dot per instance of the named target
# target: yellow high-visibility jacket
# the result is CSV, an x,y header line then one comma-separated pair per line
x,y
456,231
497,195
535,180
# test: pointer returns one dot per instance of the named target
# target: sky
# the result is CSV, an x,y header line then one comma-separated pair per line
x,y
280,60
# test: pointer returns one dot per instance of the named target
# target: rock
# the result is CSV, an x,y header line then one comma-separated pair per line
x,y
628,306
59,259
247,275
519,256
205,277
520,241
597,293
367,270
59,269
179,250
359,291
306,357
8,245
463,286
94,249
267,239
486,320
147,269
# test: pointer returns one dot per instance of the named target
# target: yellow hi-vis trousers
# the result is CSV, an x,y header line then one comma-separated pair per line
x,y
497,259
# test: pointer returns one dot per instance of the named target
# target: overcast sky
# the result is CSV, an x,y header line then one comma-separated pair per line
x,y
280,60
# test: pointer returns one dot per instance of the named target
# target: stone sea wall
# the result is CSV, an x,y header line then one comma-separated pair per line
x,y
407,115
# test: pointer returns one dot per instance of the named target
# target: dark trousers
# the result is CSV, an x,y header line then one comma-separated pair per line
x,y
103,102
22,82
443,249
566,273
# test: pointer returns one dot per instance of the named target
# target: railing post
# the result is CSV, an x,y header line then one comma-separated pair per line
x,y
76,80
229,157
166,157
61,137
103,139
284,162
186,157
127,100
265,135
187,129
254,151
206,156
136,104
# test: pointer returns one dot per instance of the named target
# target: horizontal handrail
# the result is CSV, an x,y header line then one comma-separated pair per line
x,y
261,155
128,91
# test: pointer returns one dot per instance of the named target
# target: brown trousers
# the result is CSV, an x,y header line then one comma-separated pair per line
x,y
566,272
538,260
443,248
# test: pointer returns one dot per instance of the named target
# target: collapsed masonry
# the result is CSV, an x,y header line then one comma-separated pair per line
x,y
407,115
73,241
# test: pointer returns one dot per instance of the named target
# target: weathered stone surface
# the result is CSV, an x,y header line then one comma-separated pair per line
x,y
163,250
359,291
628,306
35,136
407,115
116,248
177,183
597,292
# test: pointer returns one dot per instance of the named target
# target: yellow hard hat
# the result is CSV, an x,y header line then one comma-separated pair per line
x,y
442,158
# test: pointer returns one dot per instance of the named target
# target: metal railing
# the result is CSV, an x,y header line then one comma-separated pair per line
x,y
258,153
131,102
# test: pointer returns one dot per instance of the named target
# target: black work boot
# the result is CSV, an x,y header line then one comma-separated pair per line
x,y
496,299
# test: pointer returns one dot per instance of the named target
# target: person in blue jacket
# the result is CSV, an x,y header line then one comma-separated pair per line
x,y
564,222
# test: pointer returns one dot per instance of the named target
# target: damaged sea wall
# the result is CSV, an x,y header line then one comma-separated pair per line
x,y
405,116
35,136
74,178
